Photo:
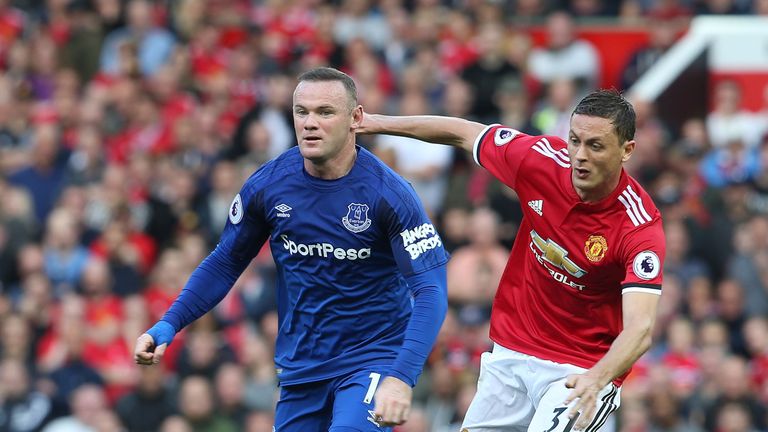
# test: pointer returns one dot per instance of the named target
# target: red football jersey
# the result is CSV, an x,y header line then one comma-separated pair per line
x,y
560,296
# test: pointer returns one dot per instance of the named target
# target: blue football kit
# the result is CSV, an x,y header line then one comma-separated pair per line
x,y
361,290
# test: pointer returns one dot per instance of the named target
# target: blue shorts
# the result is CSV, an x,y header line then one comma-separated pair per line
x,y
338,404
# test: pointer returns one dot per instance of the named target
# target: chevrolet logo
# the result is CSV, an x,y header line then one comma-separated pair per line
x,y
554,254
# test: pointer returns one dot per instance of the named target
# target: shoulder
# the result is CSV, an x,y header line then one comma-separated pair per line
x,y
393,194
280,168
545,151
501,135
637,206
380,176
551,147
640,220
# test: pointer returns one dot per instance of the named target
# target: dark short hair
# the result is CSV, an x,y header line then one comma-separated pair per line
x,y
611,105
331,74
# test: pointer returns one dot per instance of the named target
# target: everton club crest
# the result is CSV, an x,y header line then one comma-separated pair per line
x,y
356,219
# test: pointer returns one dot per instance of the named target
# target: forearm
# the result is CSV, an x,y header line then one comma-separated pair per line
x,y
630,344
435,129
207,286
429,309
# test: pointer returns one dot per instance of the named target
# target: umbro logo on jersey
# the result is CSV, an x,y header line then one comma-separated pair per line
x,y
537,206
282,210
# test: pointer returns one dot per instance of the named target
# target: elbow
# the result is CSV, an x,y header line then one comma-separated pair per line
x,y
442,306
433,298
646,341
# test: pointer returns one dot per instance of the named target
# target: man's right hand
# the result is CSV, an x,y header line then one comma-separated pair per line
x,y
146,353
150,347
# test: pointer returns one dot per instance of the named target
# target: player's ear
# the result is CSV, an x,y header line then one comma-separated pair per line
x,y
357,117
627,149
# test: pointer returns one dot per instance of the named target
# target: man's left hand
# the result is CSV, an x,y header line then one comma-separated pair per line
x,y
393,402
585,389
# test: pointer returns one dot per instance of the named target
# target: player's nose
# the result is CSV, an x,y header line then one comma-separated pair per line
x,y
581,154
310,121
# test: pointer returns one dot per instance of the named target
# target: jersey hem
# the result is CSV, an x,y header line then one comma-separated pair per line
x,y
336,374
565,359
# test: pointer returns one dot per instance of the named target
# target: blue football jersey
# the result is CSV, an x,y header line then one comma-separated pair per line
x,y
342,248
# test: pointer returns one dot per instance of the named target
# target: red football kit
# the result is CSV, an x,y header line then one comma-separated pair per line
x,y
559,298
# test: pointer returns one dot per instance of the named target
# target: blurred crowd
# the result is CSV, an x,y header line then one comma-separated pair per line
x,y
127,127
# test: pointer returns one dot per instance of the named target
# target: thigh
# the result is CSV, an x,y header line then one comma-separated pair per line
x,y
552,416
304,407
353,402
501,402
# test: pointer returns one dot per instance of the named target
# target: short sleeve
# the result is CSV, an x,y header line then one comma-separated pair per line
x,y
416,244
643,256
502,151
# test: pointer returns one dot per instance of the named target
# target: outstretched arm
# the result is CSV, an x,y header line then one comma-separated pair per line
x,y
435,129
245,233
207,286
639,316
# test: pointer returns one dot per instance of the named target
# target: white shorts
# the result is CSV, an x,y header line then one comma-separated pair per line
x,y
518,392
